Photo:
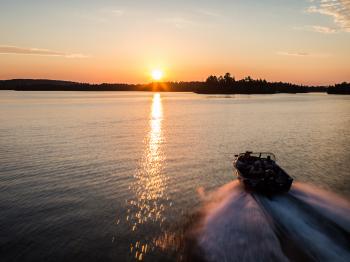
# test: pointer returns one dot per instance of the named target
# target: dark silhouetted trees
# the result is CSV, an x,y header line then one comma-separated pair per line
x,y
341,89
226,84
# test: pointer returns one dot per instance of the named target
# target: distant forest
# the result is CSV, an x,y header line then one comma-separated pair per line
x,y
213,85
341,89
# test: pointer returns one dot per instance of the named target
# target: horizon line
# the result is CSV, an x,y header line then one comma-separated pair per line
x,y
168,81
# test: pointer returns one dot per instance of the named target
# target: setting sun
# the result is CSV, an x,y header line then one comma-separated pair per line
x,y
157,74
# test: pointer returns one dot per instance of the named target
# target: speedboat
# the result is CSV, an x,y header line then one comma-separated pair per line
x,y
259,172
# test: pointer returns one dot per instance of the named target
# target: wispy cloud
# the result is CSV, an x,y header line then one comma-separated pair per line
x,y
112,11
117,12
302,54
318,29
323,29
102,16
207,12
15,50
293,53
195,17
338,9
178,22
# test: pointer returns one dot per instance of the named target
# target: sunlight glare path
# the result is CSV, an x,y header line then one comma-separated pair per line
x,y
148,207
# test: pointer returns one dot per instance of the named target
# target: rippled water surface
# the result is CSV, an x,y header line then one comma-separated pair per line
x,y
113,176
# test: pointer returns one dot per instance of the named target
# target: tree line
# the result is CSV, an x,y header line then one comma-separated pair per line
x,y
342,89
225,84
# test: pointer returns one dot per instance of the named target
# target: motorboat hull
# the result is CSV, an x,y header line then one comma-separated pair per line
x,y
264,185
261,174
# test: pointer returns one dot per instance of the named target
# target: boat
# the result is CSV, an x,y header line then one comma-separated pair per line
x,y
259,172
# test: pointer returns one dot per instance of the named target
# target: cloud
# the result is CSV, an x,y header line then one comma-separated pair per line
x,y
193,19
318,29
36,51
112,12
293,53
302,54
117,12
102,16
338,9
323,29
208,13
178,22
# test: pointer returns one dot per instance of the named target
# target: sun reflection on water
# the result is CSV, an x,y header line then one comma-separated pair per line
x,y
146,210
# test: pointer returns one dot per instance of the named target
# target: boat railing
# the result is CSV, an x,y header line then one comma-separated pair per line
x,y
262,155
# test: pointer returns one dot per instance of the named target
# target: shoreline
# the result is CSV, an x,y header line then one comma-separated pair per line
x,y
238,87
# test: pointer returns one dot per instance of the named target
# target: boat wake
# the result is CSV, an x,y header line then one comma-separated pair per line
x,y
307,224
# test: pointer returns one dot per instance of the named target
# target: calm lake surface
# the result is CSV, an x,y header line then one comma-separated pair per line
x,y
107,176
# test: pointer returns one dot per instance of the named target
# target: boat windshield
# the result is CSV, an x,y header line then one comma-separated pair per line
x,y
262,155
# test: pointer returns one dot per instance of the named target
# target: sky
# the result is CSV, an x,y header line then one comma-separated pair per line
x,y
299,41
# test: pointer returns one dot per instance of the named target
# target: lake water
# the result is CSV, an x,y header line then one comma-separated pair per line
x,y
115,176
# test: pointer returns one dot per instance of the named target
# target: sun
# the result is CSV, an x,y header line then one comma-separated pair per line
x,y
157,74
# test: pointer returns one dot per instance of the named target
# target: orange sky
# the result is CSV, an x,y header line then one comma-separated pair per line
x,y
117,41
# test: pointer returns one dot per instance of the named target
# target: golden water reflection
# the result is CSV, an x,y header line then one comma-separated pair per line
x,y
146,210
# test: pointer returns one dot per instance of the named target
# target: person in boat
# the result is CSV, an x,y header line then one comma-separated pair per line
x,y
268,163
243,162
246,157
270,174
256,170
240,164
